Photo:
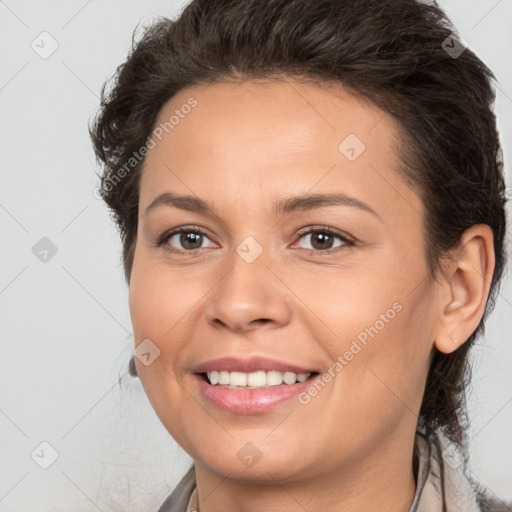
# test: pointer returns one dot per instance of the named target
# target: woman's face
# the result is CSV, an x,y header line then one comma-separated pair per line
x,y
267,169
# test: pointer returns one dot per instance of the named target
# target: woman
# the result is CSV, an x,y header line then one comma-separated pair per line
x,y
311,202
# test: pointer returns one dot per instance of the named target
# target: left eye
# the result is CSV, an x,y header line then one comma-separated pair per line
x,y
322,240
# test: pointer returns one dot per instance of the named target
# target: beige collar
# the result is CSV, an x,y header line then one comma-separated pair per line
x,y
193,505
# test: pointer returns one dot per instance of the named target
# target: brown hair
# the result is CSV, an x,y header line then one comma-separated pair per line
x,y
395,53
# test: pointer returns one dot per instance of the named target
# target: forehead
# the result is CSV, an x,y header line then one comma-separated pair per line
x,y
270,137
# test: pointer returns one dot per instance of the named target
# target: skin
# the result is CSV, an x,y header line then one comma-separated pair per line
x,y
245,145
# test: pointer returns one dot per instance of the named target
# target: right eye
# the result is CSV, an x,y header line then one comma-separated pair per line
x,y
190,239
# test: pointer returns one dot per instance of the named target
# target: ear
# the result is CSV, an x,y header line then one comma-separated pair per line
x,y
465,287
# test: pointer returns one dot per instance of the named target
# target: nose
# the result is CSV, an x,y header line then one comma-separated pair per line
x,y
249,296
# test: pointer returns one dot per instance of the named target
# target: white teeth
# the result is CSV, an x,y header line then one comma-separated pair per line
x,y
237,379
257,379
274,378
223,377
289,377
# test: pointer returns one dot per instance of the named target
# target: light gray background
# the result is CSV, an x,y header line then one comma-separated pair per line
x,y
65,326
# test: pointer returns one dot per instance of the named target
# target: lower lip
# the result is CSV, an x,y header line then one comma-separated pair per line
x,y
250,401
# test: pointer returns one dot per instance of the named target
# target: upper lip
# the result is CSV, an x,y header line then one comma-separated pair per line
x,y
237,364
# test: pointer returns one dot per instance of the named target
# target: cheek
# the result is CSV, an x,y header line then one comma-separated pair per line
x,y
161,310
160,300
390,372
378,330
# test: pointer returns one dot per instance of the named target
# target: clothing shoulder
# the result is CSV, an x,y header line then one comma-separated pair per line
x,y
177,501
488,504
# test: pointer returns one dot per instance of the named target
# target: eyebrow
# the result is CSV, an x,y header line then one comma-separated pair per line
x,y
283,207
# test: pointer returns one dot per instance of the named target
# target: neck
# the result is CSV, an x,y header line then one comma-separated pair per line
x,y
383,481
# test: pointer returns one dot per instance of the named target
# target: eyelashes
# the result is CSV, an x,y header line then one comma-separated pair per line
x,y
184,233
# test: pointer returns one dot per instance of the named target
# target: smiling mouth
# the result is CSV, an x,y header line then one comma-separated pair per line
x,y
254,380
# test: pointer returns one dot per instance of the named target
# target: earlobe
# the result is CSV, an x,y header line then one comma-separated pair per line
x,y
466,282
